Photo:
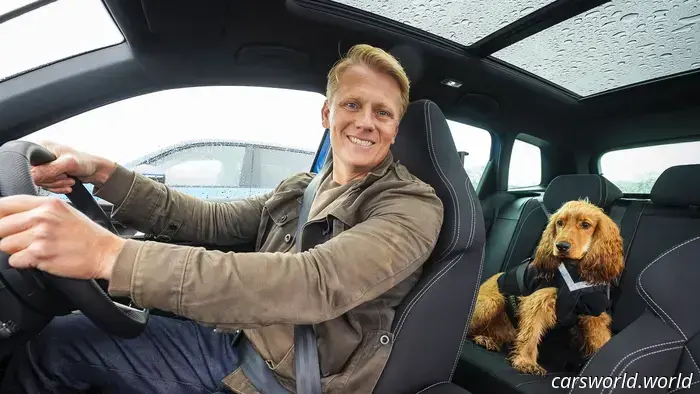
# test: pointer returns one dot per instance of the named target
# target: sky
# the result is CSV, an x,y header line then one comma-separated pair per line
x,y
131,128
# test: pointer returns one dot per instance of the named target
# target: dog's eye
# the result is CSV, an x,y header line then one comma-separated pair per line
x,y
585,225
560,222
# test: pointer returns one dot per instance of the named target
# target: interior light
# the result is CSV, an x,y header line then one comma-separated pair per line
x,y
453,83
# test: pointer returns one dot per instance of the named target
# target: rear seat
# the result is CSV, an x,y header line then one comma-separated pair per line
x,y
649,228
518,224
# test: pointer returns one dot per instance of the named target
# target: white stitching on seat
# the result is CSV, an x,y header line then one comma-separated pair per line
x,y
640,287
432,385
642,356
469,315
453,196
612,371
453,242
648,347
692,358
427,287
472,229
443,177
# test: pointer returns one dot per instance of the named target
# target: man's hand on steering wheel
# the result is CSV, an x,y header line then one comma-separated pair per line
x,y
50,235
72,245
54,176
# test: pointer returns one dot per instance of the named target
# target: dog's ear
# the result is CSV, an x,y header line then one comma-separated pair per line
x,y
604,261
544,258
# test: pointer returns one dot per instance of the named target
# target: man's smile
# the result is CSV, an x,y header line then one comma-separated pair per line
x,y
360,142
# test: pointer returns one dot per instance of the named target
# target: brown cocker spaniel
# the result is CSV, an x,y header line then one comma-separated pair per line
x,y
580,241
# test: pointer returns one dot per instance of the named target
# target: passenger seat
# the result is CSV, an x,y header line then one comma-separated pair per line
x,y
653,334
517,229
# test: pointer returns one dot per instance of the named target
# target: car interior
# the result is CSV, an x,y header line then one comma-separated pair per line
x,y
578,81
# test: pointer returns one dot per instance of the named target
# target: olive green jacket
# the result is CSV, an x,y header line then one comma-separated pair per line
x,y
371,245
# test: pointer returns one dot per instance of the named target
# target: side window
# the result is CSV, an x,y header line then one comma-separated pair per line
x,y
476,143
525,165
216,143
636,170
271,165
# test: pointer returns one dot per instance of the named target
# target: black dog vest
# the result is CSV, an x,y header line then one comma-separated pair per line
x,y
575,297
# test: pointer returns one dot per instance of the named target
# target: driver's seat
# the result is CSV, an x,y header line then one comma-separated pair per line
x,y
431,324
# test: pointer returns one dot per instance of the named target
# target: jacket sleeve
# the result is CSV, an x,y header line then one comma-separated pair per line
x,y
248,290
153,208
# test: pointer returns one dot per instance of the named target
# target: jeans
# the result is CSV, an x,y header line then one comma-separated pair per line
x,y
171,356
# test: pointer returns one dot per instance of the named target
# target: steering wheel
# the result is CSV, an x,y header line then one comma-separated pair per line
x,y
86,295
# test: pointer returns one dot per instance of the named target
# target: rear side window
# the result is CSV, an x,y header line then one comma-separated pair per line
x,y
475,143
525,165
636,170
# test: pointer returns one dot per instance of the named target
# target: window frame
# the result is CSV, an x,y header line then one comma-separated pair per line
x,y
596,159
534,141
492,143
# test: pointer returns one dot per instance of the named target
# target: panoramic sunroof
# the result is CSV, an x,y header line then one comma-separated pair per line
x,y
464,22
616,44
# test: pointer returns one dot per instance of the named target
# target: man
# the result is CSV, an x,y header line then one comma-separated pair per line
x,y
373,222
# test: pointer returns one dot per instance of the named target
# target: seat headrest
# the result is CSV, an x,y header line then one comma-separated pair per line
x,y
678,186
596,188
424,145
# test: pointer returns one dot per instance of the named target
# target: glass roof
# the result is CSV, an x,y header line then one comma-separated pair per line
x,y
614,45
53,32
464,22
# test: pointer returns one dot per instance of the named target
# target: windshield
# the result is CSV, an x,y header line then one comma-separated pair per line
x,y
53,32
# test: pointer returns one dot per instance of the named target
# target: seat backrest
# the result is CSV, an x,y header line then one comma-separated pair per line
x,y
518,225
671,217
430,324
662,342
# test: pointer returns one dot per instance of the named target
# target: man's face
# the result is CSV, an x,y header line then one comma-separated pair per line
x,y
363,118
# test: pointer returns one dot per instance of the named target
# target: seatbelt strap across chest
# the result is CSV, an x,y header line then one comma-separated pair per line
x,y
306,364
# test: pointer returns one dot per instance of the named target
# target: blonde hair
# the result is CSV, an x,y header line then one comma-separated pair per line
x,y
376,59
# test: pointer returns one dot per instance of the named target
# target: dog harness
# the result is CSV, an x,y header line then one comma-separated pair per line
x,y
575,297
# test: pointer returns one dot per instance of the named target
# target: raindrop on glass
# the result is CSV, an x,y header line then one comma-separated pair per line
x,y
659,13
683,29
526,10
629,17
690,19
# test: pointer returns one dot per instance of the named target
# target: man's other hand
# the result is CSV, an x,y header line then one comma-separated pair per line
x,y
54,175
49,234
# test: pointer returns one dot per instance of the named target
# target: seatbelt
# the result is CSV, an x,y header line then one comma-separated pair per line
x,y
306,364
617,212
546,211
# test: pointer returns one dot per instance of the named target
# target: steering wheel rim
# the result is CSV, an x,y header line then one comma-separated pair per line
x,y
16,159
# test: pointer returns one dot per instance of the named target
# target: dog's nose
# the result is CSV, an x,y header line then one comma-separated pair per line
x,y
563,246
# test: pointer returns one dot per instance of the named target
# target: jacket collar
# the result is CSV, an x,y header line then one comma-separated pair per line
x,y
379,171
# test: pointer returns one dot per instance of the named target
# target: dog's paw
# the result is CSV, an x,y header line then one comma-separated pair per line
x,y
528,366
487,342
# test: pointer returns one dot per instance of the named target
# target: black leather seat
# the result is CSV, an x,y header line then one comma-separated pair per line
x,y
481,370
663,341
650,229
430,324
